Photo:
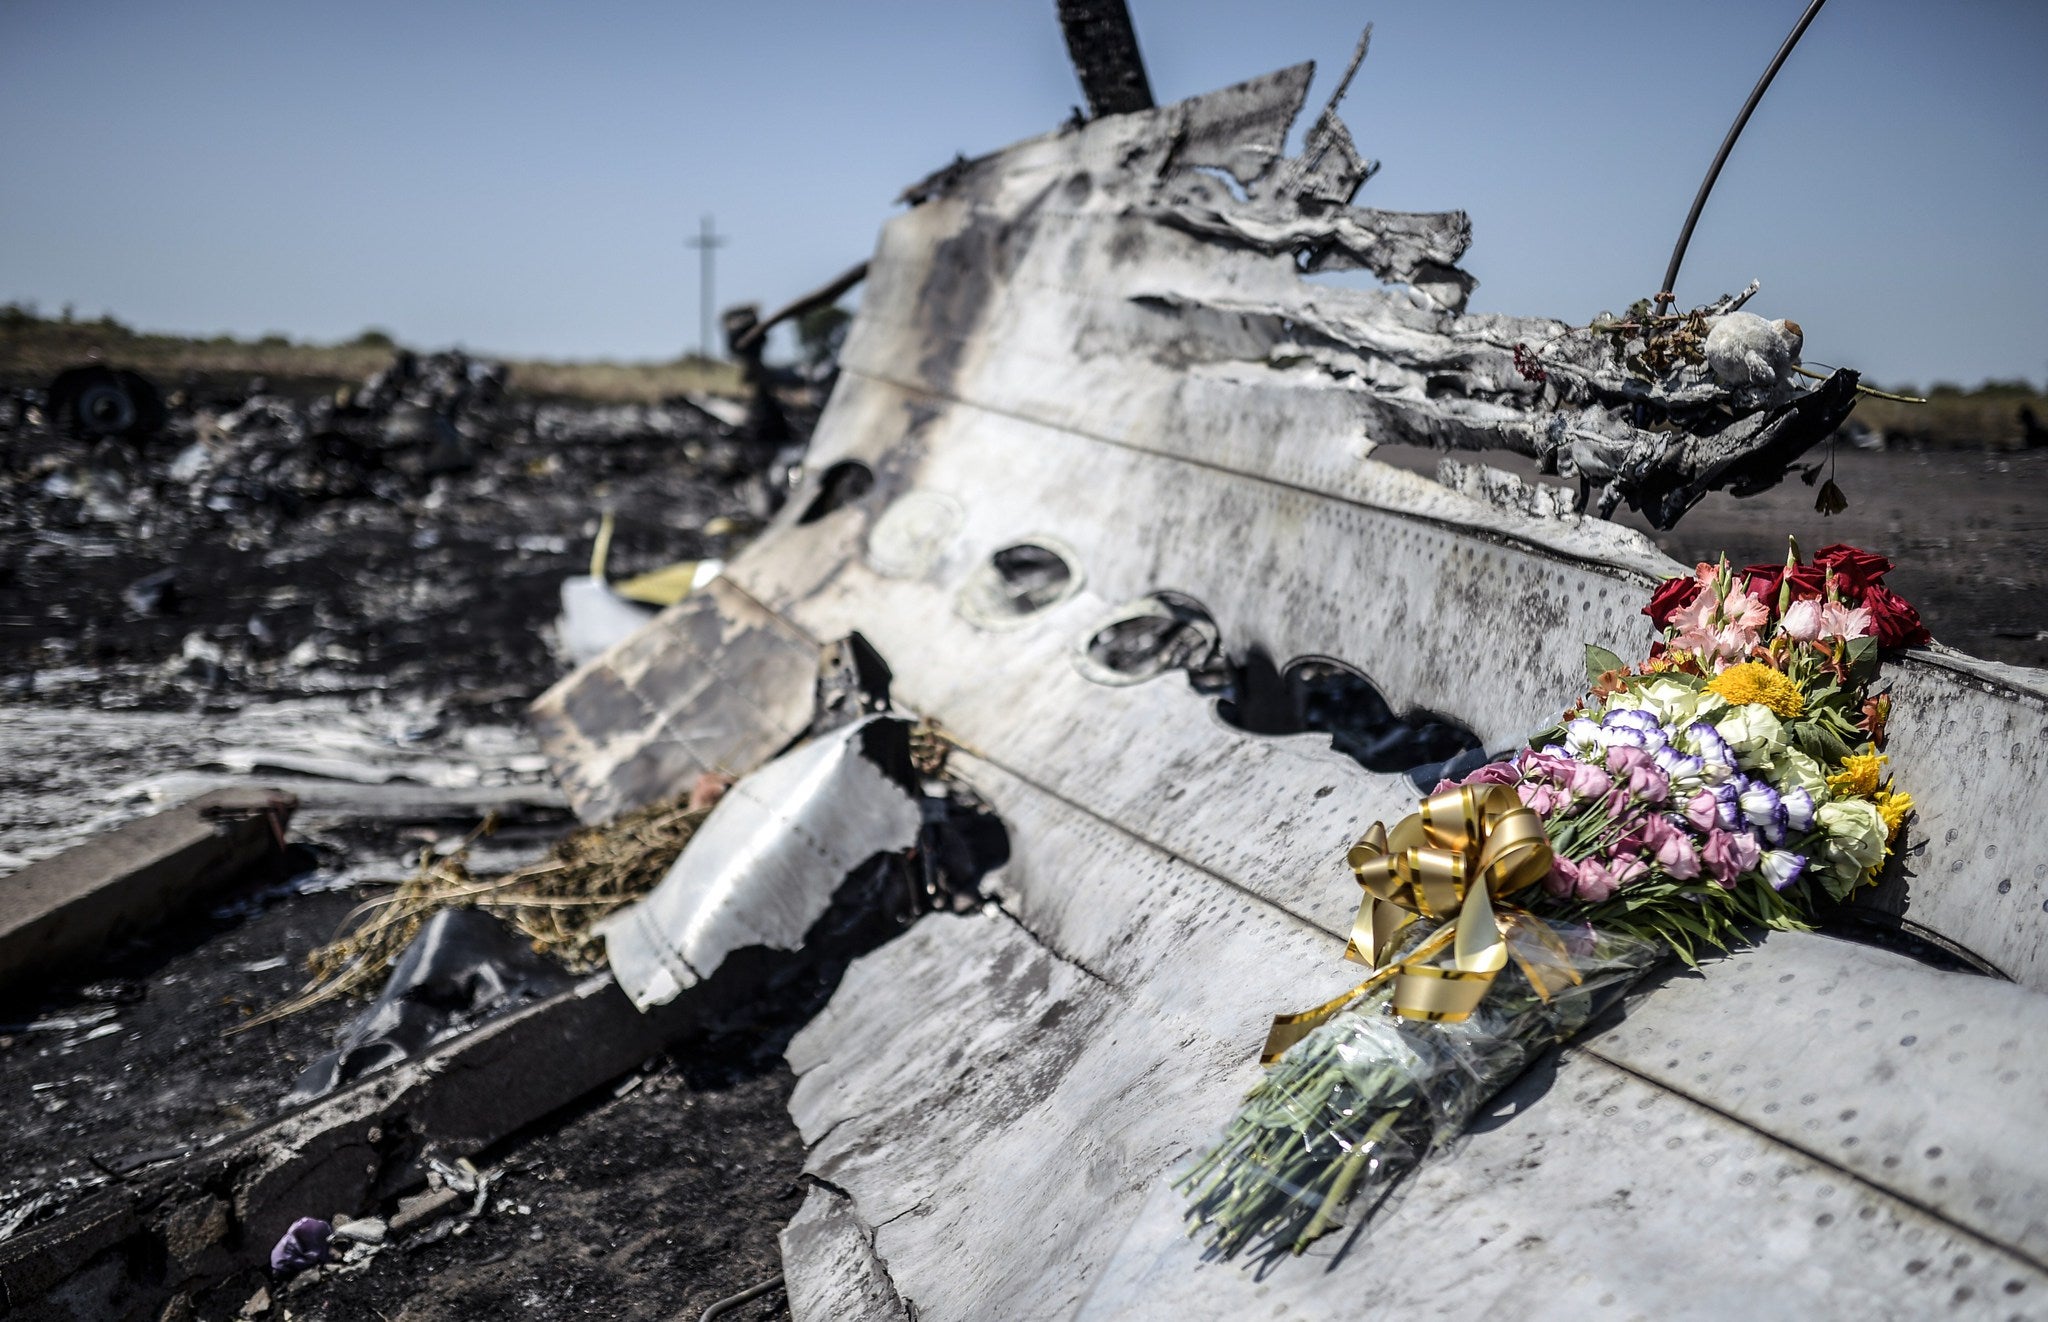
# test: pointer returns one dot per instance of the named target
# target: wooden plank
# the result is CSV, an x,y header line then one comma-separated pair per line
x,y
59,912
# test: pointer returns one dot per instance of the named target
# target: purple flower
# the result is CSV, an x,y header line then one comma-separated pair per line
x,y
1714,750
1627,871
1622,759
1582,737
1798,808
1763,809
304,1245
1728,804
1781,867
1563,878
1641,722
1683,770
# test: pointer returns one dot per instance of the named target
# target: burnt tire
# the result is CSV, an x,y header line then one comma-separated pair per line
x,y
99,403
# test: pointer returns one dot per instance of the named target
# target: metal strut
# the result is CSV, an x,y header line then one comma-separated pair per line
x,y
1104,48
1667,289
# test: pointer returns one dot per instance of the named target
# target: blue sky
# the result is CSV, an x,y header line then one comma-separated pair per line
x,y
520,177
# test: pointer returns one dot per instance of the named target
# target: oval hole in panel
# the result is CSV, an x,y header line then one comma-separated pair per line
x,y
1151,636
1321,694
838,486
1017,582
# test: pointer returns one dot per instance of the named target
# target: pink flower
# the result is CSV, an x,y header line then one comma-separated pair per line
x,y
1598,879
1595,882
1672,847
1729,854
1695,628
1494,773
1563,878
1622,759
1839,621
1723,622
1586,781
1801,622
1744,612
1639,773
1542,799
1703,810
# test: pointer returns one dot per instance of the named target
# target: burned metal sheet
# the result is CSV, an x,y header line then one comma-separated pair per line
x,y
763,867
1057,347
1105,1048
714,683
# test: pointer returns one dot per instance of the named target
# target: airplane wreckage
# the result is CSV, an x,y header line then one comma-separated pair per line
x,y
1094,508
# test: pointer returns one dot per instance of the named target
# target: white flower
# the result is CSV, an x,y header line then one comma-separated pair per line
x,y
1802,621
1839,621
1781,867
1794,769
1675,705
1757,736
1856,833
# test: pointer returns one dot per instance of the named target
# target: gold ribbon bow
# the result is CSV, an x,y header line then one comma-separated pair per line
x,y
1448,862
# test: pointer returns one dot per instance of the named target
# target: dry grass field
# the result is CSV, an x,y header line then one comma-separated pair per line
x,y
34,348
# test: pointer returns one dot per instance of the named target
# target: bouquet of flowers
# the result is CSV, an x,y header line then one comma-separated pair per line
x,y
1725,783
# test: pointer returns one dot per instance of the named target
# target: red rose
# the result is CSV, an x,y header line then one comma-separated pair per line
x,y
1765,580
1672,596
1856,570
1893,620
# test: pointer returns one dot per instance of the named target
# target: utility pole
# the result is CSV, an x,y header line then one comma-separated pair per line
x,y
707,242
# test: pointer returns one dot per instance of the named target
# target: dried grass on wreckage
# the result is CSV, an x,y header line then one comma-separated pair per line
x,y
555,904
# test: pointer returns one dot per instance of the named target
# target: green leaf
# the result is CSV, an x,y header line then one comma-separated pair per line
x,y
1815,739
1599,661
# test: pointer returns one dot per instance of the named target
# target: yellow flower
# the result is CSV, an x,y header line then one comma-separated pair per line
x,y
1893,807
1754,683
1859,776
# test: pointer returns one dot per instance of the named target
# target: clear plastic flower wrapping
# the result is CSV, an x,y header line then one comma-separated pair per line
x,y
1356,1105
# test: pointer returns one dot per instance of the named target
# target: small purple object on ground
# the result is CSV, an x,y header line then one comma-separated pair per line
x,y
303,1246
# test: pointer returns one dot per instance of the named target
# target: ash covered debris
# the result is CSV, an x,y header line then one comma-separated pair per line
x,y
407,533
351,592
